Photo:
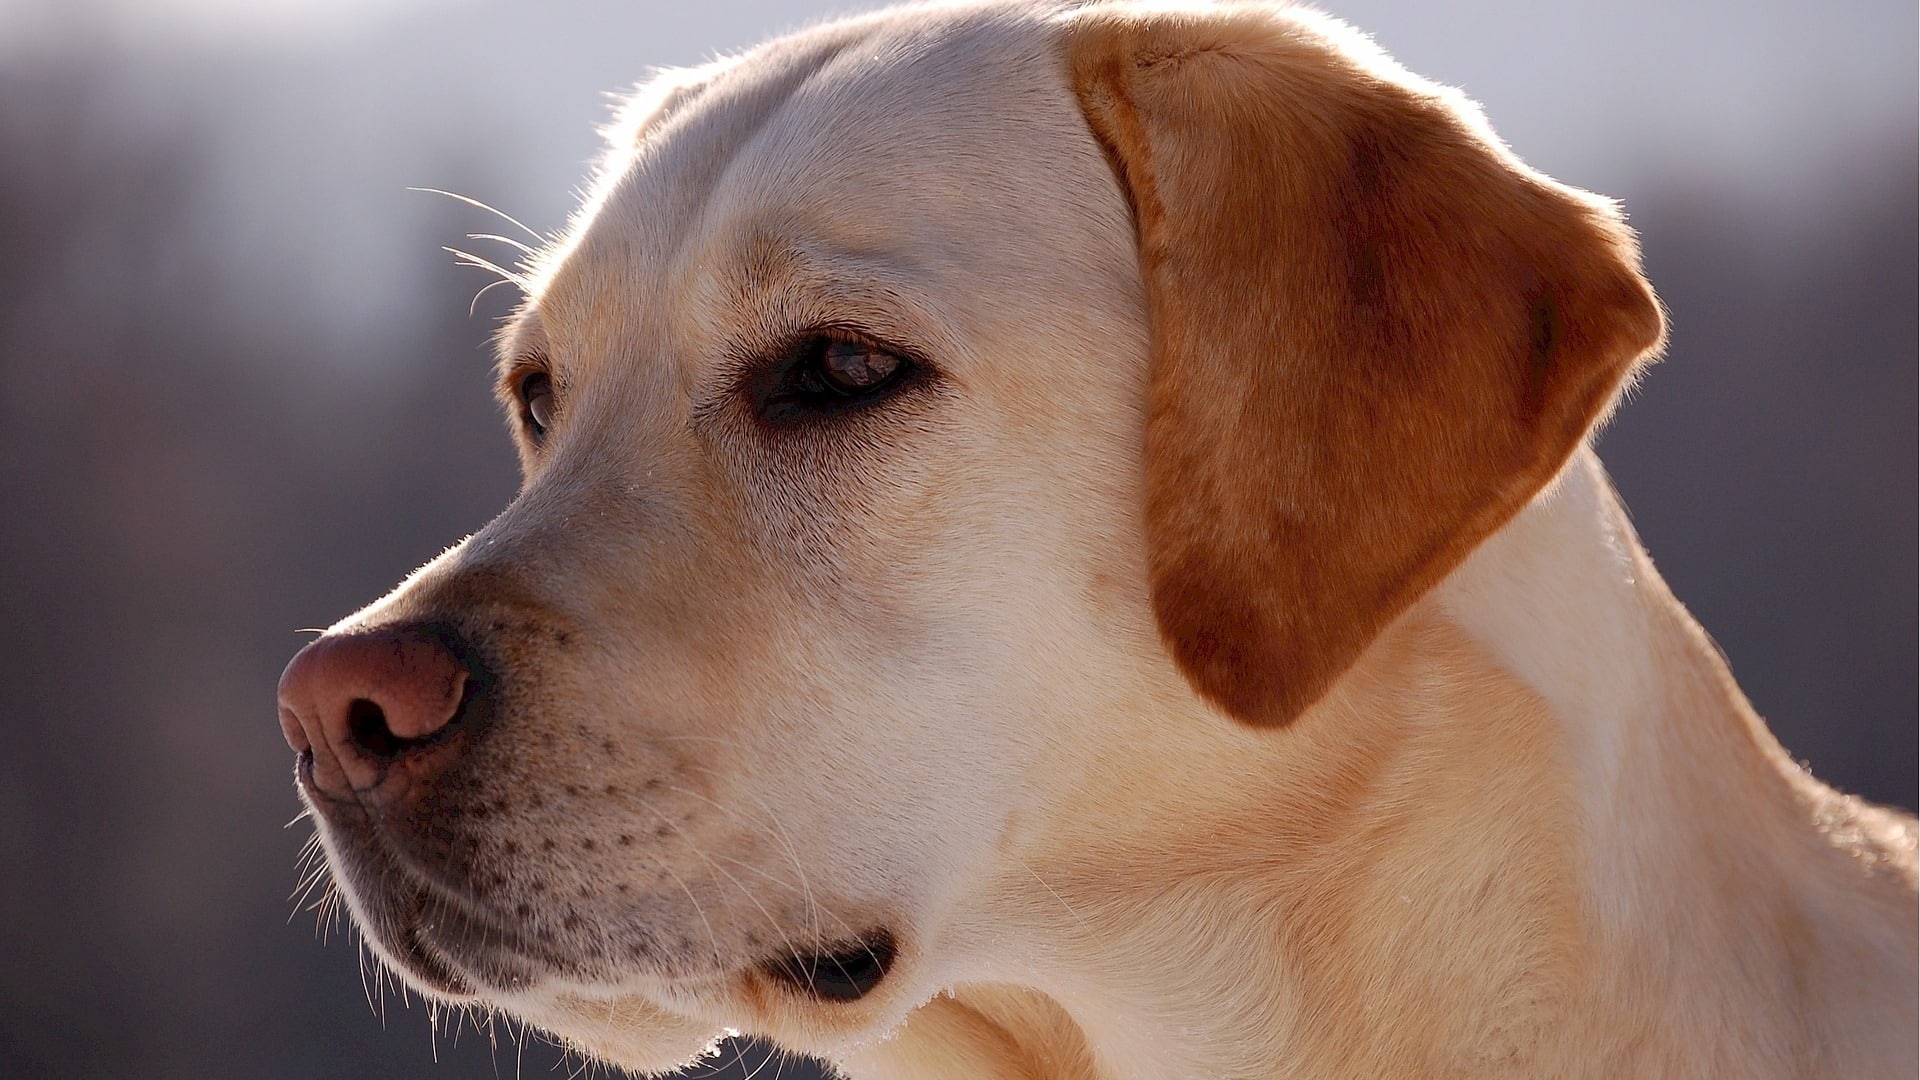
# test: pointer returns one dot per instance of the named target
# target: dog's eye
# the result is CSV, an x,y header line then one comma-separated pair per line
x,y
829,374
852,367
536,403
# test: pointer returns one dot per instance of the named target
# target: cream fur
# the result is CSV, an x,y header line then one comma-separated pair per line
x,y
913,678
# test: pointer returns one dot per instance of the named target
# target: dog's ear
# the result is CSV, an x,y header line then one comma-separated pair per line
x,y
1375,334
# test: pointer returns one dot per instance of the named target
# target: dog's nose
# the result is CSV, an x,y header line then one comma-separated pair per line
x,y
374,707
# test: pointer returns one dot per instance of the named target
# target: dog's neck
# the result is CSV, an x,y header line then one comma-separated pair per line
x,y
1539,797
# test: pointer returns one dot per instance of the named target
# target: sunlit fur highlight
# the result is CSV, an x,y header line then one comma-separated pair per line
x,y
1469,795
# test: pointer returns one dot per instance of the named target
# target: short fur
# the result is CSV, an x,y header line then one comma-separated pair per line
x,y
1416,331
1226,661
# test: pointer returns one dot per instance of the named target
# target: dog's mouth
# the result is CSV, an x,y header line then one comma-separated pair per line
x,y
847,971
405,937
459,944
445,943
438,936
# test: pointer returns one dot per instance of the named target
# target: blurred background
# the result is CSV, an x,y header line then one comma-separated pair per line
x,y
241,394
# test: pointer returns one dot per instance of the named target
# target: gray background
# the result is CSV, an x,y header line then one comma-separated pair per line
x,y
240,394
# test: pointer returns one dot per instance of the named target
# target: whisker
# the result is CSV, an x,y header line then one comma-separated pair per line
x,y
778,830
327,918
712,938
477,204
507,240
772,923
1056,895
473,305
468,258
369,980
814,909
304,888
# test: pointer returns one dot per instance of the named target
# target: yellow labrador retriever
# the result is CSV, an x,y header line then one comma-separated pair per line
x,y
1058,541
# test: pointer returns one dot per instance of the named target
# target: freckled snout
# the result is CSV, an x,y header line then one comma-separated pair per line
x,y
379,709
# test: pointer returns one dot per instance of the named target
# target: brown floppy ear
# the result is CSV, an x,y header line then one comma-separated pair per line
x,y
1375,333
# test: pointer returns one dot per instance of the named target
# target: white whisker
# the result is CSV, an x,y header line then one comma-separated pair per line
x,y
507,240
477,204
468,258
473,305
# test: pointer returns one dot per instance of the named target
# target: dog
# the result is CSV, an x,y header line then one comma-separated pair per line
x,y
1059,541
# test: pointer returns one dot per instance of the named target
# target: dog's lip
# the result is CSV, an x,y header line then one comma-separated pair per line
x,y
479,951
844,971
449,943
426,963
458,944
453,944
303,766
460,947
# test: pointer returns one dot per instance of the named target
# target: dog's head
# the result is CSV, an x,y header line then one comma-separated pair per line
x,y
944,433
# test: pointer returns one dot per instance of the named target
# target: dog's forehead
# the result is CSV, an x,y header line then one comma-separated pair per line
x,y
918,128
945,141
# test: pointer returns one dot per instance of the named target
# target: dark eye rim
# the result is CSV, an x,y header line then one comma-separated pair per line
x,y
524,389
786,386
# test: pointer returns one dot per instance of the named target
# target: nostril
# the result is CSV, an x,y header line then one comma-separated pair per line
x,y
367,727
361,702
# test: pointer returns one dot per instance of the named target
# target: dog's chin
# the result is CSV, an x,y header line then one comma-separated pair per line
x,y
623,985
448,954
441,939
453,944
643,1018
633,1032
441,943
